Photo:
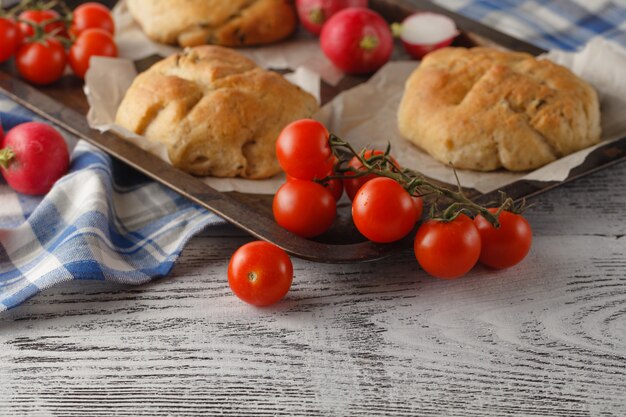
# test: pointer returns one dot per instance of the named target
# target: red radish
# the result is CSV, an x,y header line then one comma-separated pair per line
x,y
424,32
357,40
314,13
33,157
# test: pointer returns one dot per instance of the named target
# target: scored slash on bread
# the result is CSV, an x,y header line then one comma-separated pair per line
x,y
216,111
483,109
218,22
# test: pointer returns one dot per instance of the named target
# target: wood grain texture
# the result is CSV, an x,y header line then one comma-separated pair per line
x,y
546,338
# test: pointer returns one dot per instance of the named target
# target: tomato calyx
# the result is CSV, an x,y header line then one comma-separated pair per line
x,y
382,164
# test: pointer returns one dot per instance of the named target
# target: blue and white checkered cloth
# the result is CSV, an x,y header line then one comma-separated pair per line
x,y
550,24
91,225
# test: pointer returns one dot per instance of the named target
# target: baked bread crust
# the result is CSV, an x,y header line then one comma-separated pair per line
x,y
217,112
483,109
219,22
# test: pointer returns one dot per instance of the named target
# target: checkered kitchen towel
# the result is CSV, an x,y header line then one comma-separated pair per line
x,y
550,24
94,224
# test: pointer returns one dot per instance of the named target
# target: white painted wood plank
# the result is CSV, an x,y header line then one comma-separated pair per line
x,y
547,337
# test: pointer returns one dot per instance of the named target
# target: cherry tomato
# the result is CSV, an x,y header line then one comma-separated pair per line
x,y
92,15
9,38
507,245
91,42
41,62
334,186
305,208
39,158
352,185
383,211
419,206
34,16
447,250
303,150
260,273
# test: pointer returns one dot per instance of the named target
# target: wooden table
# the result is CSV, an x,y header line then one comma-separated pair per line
x,y
547,337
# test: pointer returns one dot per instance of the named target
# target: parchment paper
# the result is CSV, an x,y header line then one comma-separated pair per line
x,y
366,115
302,50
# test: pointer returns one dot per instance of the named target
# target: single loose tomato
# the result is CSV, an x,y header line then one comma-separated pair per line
x,y
92,15
305,208
303,150
383,211
9,38
41,62
447,249
507,245
51,20
33,157
260,273
352,185
91,42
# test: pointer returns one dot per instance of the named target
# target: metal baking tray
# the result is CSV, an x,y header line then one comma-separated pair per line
x,y
64,104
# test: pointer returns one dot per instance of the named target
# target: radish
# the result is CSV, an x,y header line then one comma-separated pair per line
x,y
33,157
314,13
357,40
424,32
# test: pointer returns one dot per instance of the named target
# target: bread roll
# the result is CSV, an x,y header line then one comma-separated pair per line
x,y
217,112
219,22
483,109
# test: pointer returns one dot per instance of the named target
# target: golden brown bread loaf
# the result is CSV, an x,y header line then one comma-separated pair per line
x,y
217,112
484,109
219,22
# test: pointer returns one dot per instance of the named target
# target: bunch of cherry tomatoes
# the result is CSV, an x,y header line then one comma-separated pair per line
x,y
44,40
387,206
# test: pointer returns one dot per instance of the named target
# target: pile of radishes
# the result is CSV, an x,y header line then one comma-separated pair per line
x,y
358,40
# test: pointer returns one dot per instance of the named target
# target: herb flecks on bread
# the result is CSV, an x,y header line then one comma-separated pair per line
x,y
483,109
216,111
218,22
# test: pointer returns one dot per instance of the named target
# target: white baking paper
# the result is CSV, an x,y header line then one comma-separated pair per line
x,y
366,115
106,83
302,50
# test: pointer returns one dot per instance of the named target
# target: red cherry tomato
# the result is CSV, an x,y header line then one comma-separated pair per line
x,y
91,42
419,206
447,250
352,185
34,16
303,150
260,273
507,245
383,211
92,15
40,158
334,186
41,62
9,38
304,207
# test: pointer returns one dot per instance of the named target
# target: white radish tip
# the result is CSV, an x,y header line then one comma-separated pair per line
x,y
427,28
